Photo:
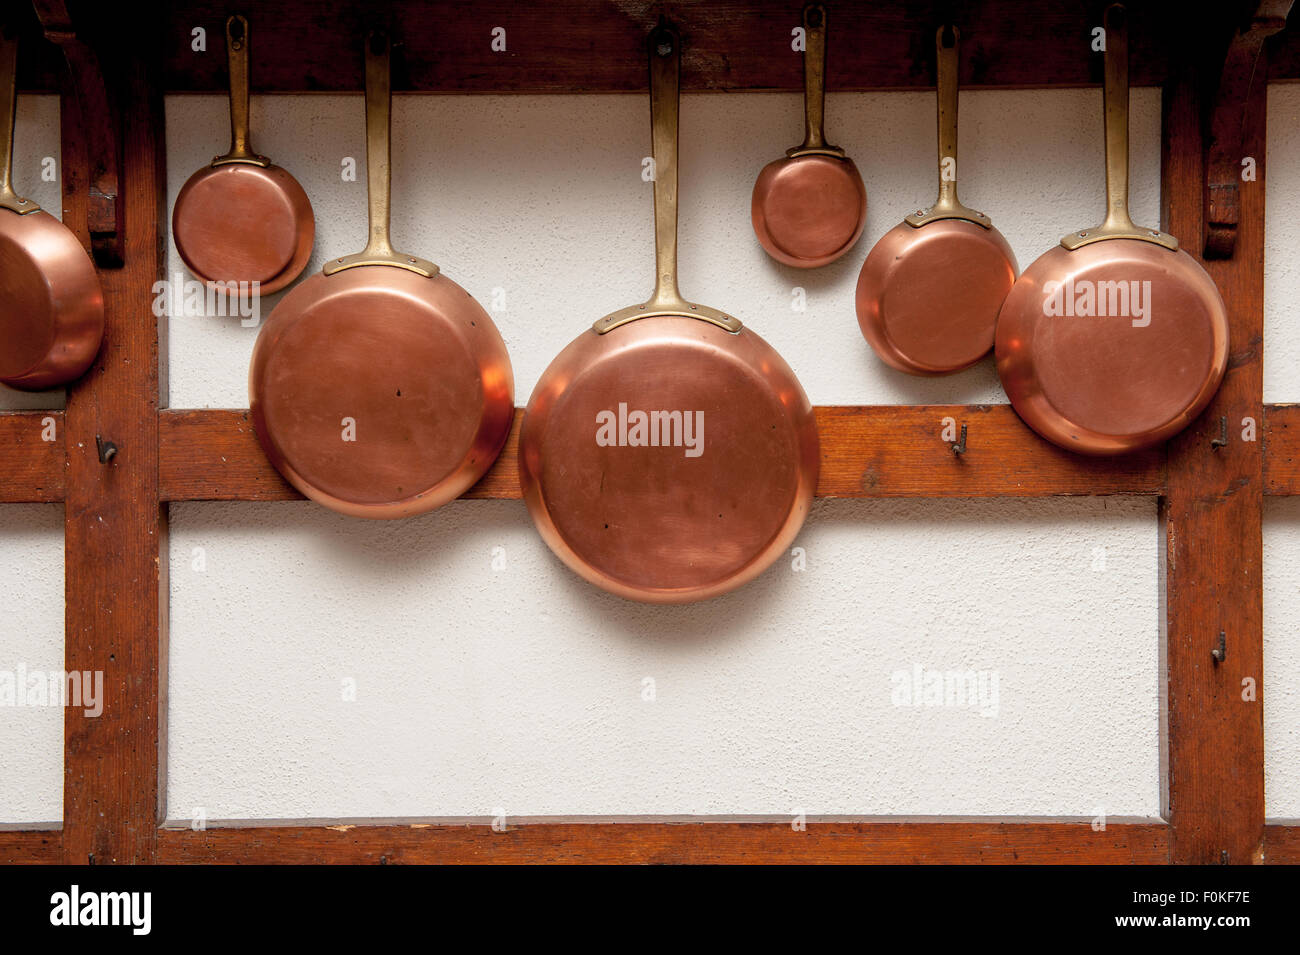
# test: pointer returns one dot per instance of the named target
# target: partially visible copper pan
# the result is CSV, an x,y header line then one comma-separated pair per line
x,y
241,218
668,454
929,293
1138,374
379,388
809,208
51,304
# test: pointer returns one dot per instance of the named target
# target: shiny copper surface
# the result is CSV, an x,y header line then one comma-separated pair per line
x,y
654,523
415,363
928,298
808,211
51,304
1102,385
241,222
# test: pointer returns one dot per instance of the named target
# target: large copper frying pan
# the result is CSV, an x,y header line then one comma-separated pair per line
x,y
929,293
51,305
240,218
809,208
379,387
668,454
1140,373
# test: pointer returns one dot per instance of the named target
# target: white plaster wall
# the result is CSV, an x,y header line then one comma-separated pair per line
x,y
521,688
36,136
31,638
1281,268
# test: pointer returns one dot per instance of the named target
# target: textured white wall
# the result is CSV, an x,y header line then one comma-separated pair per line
x,y
31,641
521,688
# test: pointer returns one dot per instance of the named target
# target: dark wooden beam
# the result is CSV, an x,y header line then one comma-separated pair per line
x,y
1282,449
114,527
30,847
32,468
1212,519
697,842
570,46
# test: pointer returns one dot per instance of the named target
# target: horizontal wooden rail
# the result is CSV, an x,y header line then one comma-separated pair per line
x,y
1282,449
867,451
699,842
28,846
33,469
1282,844
571,46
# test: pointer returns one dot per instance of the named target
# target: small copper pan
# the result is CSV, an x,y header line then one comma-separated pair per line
x,y
379,387
929,293
668,454
1116,339
809,208
51,304
240,218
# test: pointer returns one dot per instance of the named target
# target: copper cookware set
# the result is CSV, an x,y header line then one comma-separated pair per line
x,y
668,454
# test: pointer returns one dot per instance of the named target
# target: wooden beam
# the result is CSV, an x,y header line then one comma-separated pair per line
x,y
114,528
1282,844
1212,520
31,846
573,46
871,451
32,467
1282,449
694,842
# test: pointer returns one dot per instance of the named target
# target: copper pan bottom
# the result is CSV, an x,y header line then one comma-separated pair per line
x,y
244,223
665,522
51,304
928,297
380,393
808,211
1109,384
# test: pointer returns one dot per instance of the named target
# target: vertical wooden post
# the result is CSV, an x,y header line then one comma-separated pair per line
x,y
114,526
1212,515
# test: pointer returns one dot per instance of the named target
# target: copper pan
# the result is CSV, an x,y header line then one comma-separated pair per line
x,y
929,292
51,304
809,208
668,454
1116,339
380,388
241,219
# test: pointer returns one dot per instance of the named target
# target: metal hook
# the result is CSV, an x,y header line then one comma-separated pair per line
x,y
960,446
106,449
1222,440
1220,653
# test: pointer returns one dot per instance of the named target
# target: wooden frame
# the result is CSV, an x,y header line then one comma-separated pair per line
x,y
115,513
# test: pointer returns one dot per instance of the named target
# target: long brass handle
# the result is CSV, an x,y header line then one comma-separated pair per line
x,y
237,61
8,117
1117,224
665,80
665,88
947,206
379,100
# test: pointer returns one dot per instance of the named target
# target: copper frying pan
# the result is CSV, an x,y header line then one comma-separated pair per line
x,y
1116,339
668,454
809,208
929,293
51,304
240,218
379,387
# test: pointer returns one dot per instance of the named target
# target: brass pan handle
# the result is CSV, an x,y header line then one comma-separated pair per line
x,y
814,86
8,117
1117,224
237,60
379,100
947,206
665,82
